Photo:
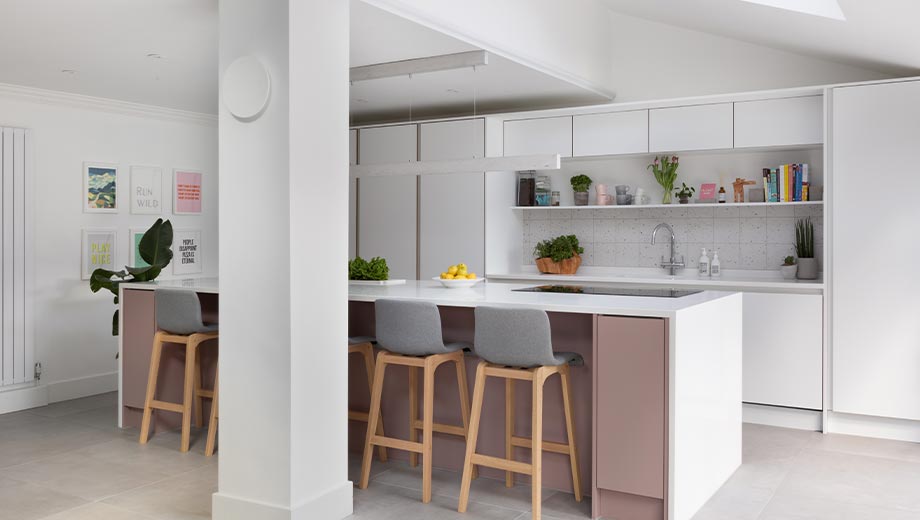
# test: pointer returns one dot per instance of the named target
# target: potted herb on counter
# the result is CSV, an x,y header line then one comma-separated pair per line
x,y
560,255
685,192
375,269
788,268
580,185
805,249
665,170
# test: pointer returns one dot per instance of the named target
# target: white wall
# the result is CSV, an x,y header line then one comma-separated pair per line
x,y
651,60
73,338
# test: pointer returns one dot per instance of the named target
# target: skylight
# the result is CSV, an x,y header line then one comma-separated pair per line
x,y
824,8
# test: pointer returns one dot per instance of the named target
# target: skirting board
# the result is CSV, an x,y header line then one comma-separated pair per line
x,y
334,504
82,387
871,426
23,397
782,417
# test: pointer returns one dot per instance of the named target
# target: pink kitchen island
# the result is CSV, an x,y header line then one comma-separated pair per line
x,y
657,402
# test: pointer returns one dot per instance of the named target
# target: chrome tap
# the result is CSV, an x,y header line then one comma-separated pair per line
x,y
674,263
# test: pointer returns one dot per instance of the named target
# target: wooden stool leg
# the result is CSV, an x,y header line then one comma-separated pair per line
x,y
152,376
199,420
212,422
570,430
191,351
464,400
509,428
372,420
427,429
413,412
536,452
478,390
368,353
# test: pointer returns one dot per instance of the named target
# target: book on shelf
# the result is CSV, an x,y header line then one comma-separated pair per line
x,y
787,183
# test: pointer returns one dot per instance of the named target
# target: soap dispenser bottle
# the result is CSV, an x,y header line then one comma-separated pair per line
x,y
715,268
703,264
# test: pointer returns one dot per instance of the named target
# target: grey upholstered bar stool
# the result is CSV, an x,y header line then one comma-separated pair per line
x,y
516,344
409,332
364,346
179,321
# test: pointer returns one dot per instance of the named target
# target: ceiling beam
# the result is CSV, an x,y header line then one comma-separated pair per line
x,y
460,60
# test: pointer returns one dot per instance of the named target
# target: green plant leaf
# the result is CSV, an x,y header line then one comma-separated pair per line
x,y
115,323
156,244
560,248
374,269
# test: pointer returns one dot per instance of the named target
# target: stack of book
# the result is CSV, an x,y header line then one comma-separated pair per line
x,y
788,183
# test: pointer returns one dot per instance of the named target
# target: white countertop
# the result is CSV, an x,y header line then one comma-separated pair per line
x,y
498,293
202,285
734,280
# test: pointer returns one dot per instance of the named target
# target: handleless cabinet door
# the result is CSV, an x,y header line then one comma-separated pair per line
x,y
539,136
697,127
451,207
610,134
388,206
779,122
875,306
352,195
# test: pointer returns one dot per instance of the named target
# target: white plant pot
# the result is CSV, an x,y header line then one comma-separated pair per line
x,y
788,271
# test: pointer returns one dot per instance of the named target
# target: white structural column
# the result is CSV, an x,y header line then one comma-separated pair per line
x,y
283,251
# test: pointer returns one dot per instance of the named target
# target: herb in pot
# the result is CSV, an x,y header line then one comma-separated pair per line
x,y
581,183
373,269
685,192
558,249
789,260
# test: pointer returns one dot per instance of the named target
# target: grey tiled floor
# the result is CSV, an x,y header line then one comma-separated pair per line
x,y
67,461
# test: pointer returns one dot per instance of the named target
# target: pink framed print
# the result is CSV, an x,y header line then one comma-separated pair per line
x,y
186,192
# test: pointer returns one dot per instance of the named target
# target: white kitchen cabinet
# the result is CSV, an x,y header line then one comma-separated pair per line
x,y
686,128
610,134
875,306
783,349
779,122
352,195
539,136
451,207
388,206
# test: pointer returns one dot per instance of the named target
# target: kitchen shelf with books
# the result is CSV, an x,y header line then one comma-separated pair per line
x,y
692,205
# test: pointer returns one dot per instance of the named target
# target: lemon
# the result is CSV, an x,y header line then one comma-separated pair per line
x,y
452,270
444,276
471,276
449,277
461,271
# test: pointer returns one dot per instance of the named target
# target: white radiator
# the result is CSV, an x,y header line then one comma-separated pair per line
x,y
17,364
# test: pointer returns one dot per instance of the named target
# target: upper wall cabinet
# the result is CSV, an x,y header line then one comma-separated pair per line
x,y
452,140
539,136
389,144
778,122
697,127
610,134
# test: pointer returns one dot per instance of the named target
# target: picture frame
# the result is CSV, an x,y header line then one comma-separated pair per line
x,y
100,187
146,191
187,191
98,249
187,252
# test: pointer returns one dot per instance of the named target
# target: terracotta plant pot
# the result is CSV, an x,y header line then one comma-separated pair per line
x,y
568,266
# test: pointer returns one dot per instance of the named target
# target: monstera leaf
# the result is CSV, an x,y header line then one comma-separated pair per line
x,y
156,245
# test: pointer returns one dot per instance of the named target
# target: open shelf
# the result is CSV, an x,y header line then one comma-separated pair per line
x,y
702,205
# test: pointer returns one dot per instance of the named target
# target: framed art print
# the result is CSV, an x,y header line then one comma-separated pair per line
x,y
146,190
98,251
100,188
186,192
186,252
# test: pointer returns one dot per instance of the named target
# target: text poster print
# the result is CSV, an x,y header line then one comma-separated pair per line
x,y
187,192
186,252
98,251
146,190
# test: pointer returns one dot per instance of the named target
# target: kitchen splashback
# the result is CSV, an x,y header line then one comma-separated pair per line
x,y
747,237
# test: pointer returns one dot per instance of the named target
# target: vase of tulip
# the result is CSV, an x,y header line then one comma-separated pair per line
x,y
665,170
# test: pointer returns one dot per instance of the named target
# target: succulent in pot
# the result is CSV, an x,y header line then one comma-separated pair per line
x,y
560,255
685,192
580,185
805,249
788,268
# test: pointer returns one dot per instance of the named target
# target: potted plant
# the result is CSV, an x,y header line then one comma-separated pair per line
x,y
685,192
805,249
665,170
788,268
580,185
560,255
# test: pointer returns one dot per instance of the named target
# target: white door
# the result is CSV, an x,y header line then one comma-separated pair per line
x,y
539,136
388,206
451,207
779,122
698,127
610,134
875,312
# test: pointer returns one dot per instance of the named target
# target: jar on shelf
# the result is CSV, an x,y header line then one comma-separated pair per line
x,y
526,188
543,191
554,199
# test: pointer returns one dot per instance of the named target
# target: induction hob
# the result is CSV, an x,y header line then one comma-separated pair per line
x,y
609,291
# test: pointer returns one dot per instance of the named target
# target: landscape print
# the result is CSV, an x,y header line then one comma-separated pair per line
x,y
100,186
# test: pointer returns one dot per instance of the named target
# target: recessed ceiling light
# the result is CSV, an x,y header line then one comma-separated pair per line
x,y
70,72
824,8
360,100
453,91
155,56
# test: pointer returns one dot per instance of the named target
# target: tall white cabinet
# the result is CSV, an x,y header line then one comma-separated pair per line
x,y
875,305
452,206
388,206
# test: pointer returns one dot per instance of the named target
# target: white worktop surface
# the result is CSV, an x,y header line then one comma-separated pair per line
x,y
499,293
202,285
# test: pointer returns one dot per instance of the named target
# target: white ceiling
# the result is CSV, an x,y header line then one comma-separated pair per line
x,y
878,35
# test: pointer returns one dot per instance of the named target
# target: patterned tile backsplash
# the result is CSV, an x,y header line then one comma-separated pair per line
x,y
746,237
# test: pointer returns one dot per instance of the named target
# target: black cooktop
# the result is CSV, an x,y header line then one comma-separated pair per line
x,y
610,291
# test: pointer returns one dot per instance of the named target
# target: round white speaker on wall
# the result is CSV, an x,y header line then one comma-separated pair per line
x,y
246,88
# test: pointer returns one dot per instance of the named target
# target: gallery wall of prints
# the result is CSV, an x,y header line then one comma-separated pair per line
x,y
110,188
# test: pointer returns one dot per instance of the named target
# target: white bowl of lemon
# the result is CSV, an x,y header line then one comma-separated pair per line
x,y
458,276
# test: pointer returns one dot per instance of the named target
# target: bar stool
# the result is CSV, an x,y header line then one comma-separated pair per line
x,y
516,344
178,315
365,347
409,333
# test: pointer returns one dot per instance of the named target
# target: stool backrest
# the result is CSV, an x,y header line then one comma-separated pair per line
x,y
514,337
178,311
409,327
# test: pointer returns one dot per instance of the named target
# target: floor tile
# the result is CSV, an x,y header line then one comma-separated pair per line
x,y
768,443
385,502
45,438
23,501
806,508
62,408
884,448
97,511
187,496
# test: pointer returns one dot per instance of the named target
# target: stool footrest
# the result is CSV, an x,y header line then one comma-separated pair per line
x,y
398,444
357,416
169,407
554,447
502,464
207,394
442,428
